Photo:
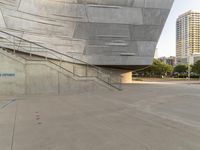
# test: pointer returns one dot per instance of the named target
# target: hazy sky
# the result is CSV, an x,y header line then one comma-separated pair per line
x,y
167,42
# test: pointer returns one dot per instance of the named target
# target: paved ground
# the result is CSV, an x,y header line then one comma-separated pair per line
x,y
147,116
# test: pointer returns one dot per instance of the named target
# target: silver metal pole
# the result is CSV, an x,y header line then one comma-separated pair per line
x,y
189,73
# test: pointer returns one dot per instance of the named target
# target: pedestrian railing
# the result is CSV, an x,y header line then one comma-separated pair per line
x,y
65,62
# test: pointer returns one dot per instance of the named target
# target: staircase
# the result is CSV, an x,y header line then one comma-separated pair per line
x,y
68,65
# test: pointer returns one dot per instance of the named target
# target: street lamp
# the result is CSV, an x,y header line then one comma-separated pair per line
x,y
188,61
189,68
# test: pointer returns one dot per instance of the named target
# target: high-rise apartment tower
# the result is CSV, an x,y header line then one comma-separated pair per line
x,y
188,34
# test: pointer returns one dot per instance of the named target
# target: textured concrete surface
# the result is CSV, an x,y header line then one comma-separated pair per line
x,y
97,31
145,116
18,77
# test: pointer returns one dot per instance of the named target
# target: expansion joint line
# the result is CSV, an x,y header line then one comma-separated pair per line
x,y
11,101
14,126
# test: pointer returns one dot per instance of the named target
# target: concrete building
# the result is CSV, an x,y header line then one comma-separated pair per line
x,y
187,36
114,34
169,60
156,54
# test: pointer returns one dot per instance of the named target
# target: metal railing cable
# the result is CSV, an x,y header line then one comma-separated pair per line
x,y
16,43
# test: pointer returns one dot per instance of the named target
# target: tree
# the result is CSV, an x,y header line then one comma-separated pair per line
x,y
196,67
158,68
180,69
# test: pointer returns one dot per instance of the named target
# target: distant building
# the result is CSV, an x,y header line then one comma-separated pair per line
x,y
188,37
169,60
156,54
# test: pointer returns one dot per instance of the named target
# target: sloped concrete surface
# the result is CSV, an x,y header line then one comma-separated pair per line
x,y
153,116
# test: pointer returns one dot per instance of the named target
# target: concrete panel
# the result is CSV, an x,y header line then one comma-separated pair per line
x,y
115,15
113,47
155,16
74,87
119,60
91,31
125,3
139,3
108,2
64,45
164,4
11,4
38,77
41,79
2,22
34,24
145,33
146,48
54,10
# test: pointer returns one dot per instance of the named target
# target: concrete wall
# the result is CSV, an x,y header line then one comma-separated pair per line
x,y
96,31
19,77
12,76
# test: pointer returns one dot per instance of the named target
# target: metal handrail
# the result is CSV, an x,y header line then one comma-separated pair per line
x,y
54,52
83,62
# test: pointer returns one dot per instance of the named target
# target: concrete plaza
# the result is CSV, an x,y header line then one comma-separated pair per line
x,y
144,116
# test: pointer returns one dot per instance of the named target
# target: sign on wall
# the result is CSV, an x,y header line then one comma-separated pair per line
x,y
4,75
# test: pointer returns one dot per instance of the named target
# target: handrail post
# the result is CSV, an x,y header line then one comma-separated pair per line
x,y
30,49
14,44
86,71
109,79
46,54
98,74
61,63
120,83
110,75
73,63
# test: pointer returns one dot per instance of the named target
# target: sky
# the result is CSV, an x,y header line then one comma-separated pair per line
x,y
167,43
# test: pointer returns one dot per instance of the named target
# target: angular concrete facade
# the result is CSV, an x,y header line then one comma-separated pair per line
x,y
100,32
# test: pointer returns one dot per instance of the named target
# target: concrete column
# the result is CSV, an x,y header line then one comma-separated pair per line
x,y
127,77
